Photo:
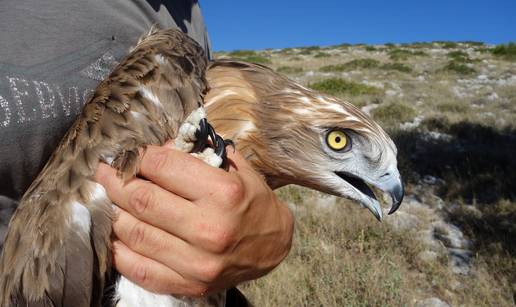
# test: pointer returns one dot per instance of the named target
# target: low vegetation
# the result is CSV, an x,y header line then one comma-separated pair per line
x,y
450,107
458,68
322,55
507,52
403,54
365,64
394,113
341,256
351,65
249,56
337,86
397,66
289,70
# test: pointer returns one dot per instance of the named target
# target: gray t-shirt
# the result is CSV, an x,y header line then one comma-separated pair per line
x,y
53,54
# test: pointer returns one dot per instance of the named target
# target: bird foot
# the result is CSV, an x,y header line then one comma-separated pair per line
x,y
187,135
194,136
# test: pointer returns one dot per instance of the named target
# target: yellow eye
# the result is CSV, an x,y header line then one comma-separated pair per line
x,y
337,140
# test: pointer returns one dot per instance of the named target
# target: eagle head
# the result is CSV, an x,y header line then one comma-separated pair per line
x,y
294,135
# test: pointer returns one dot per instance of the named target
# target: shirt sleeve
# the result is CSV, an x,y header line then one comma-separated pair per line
x,y
58,51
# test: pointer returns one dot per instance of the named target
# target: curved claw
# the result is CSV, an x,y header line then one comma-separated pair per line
x,y
201,135
220,147
219,144
228,142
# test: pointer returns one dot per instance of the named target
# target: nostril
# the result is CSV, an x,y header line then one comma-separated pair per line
x,y
385,175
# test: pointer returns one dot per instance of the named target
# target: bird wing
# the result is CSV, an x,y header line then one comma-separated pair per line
x,y
56,251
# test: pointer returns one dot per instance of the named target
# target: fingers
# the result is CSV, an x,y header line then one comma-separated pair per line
x,y
150,203
208,227
181,173
153,275
145,241
152,242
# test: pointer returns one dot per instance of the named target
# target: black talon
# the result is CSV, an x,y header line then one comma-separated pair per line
x,y
212,133
228,142
201,135
206,131
220,147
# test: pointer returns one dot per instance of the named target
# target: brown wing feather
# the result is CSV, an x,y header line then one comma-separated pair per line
x,y
45,260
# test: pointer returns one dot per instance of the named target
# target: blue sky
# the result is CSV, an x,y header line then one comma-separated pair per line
x,y
259,24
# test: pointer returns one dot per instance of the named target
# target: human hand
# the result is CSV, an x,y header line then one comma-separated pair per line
x,y
186,228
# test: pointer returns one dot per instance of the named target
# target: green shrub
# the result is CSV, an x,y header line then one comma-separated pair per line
x,y
460,57
249,56
241,53
351,65
403,54
457,54
473,43
370,48
447,44
322,55
289,69
418,45
256,59
343,46
394,113
459,68
452,107
397,66
507,51
308,50
337,86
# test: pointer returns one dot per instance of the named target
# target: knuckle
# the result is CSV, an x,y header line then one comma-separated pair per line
x,y
141,275
217,239
158,160
233,191
137,234
141,199
210,271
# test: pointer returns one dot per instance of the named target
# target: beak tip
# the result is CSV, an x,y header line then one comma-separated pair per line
x,y
397,195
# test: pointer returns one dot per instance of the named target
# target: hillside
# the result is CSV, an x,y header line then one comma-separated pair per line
x,y
451,110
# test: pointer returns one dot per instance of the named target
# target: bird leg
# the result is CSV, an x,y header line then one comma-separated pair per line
x,y
194,136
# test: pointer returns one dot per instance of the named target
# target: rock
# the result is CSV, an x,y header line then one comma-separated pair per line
x,y
492,96
460,260
413,124
426,237
432,180
368,108
431,302
428,256
390,93
402,221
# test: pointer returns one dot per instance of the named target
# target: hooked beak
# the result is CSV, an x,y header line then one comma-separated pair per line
x,y
389,183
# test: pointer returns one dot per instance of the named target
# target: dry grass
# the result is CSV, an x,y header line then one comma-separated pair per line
x,y
464,95
341,256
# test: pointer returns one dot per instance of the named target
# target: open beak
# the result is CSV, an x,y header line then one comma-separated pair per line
x,y
389,183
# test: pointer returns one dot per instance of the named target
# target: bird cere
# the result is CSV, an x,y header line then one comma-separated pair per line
x,y
58,245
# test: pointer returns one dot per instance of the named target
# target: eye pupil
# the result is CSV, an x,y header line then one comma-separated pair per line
x,y
337,139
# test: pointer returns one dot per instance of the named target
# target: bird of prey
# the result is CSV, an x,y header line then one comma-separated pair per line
x,y
294,135
57,249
